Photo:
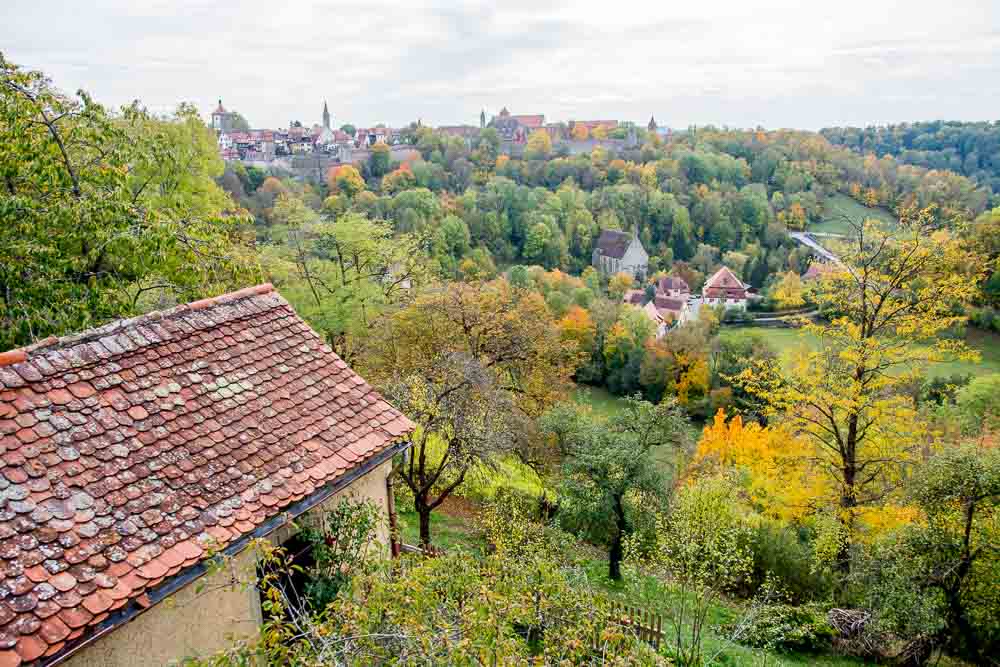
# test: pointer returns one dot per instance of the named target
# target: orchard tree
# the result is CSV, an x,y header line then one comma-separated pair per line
x,y
472,365
892,300
934,582
609,472
105,214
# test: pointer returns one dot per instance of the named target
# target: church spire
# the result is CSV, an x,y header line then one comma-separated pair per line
x,y
326,115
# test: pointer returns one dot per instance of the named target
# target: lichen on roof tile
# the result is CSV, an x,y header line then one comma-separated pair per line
x,y
127,450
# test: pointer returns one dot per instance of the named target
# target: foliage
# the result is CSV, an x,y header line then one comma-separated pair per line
x,y
891,303
788,292
977,405
702,546
105,214
933,583
784,627
513,605
471,364
780,481
342,276
609,477
345,180
343,542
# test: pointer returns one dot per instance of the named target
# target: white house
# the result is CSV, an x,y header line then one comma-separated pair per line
x,y
620,252
724,289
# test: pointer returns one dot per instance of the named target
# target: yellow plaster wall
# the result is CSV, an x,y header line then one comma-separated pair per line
x,y
198,622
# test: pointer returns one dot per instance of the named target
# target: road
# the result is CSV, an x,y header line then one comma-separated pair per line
x,y
810,241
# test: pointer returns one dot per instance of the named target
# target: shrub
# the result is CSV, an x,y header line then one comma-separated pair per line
x,y
786,554
783,627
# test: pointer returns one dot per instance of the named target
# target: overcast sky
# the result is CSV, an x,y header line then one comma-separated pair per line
x,y
776,63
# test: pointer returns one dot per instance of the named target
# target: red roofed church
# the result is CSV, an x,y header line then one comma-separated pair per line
x,y
129,451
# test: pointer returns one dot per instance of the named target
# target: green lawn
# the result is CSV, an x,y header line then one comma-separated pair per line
x,y
988,345
839,205
447,531
601,401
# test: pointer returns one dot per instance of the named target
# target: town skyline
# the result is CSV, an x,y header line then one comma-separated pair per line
x,y
773,63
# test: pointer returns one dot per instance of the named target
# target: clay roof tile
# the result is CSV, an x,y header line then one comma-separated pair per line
x,y
121,446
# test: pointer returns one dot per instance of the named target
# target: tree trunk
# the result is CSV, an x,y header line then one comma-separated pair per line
x,y
424,512
848,498
617,552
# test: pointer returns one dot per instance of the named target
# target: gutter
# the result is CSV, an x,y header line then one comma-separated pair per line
x,y
185,577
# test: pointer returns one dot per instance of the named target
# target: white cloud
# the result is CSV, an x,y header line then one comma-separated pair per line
x,y
770,62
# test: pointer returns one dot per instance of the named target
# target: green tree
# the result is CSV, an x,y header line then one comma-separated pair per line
x,y
342,276
934,582
610,477
472,364
702,546
380,161
103,215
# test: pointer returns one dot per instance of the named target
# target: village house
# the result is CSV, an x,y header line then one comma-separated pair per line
x,y
674,287
135,450
620,252
670,304
724,289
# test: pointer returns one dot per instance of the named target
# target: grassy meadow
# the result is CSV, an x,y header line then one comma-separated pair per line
x,y
988,345
839,205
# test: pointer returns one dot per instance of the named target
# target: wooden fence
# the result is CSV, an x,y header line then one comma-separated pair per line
x,y
646,625
430,550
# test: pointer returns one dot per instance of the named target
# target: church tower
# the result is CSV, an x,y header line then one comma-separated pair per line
x,y
482,119
326,116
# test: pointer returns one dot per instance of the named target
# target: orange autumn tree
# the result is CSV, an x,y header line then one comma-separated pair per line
x,y
345,179
578,326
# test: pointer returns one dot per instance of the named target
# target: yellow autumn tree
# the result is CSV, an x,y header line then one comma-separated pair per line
x,y
782,482
788,292
577,325
619,284
345,179
539,145
894,296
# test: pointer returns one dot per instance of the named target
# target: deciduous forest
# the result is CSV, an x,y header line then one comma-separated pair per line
x,y
827,492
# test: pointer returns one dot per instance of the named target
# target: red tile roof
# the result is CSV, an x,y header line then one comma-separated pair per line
x,y
530,120
128,450
724,284
634,296
669,283
665,303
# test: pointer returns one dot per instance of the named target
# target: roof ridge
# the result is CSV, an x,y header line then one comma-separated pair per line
x,y
18,355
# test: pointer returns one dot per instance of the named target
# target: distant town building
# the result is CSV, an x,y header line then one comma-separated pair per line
x,y
724,289
591,125
651,126
620,252
516,128
222,120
